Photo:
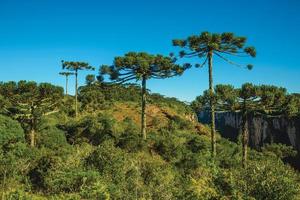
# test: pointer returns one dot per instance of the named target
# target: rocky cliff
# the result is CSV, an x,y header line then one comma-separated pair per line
x,y
261,129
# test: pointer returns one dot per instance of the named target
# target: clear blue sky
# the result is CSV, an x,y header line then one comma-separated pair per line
x,y
36,34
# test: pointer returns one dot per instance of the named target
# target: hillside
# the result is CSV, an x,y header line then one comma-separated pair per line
x,y
101,154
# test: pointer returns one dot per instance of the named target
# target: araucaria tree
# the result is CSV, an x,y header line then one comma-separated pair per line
x,y
205,46
76,66
248,100
29,102
66,74
141,67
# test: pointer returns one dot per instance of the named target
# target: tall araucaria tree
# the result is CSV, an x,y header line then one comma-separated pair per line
x,y
141,66
245,101
29,102
248,100
66,74
205,46
76,66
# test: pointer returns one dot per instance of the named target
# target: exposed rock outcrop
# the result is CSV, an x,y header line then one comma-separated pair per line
x,y
261,129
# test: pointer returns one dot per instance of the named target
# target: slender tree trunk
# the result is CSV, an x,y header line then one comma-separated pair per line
x,y
143,132
212,106
67,85
245,135
4,185
32,137
76,92
32,127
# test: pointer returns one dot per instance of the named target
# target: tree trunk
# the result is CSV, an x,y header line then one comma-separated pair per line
x,y
67,85
245,136
32,137
76,92
32,127
143,132
3,185
212,106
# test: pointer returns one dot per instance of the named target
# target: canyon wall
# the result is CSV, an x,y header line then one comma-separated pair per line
x,y
262,129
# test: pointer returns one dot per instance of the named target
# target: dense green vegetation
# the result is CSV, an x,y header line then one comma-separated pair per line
x,y
94,145
101,154
263,100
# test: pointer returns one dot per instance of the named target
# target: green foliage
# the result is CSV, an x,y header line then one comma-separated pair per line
x,y
4,105
268,179
91,129
70,180
113,164
177,123
98,157
52,138
91,98
137,66
171,148
132,142
66,73
30,101
90,79
75,66
17,195
10,132
262,99
67,106
292,105
159,178
280,150
218,44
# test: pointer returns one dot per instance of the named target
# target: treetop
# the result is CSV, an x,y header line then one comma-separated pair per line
x,y
138,65
217,43
75,66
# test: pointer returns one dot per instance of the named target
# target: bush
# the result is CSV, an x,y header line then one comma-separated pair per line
x,y
91,98
177,123
17,195
39,171
280,150
94,130
109,160
170,147
132,142
268,179
70,180
159,178
52,138
96,190
115,166
11,132
198,143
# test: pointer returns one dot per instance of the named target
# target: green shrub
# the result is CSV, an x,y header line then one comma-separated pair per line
x,y
132,142
170,147
280,150
17,195
91,98
96,190
159,178
268,179
11,132
198,143
92,129
52,138
70,180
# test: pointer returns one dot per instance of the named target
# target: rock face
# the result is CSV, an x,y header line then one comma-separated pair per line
x,y
261,129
